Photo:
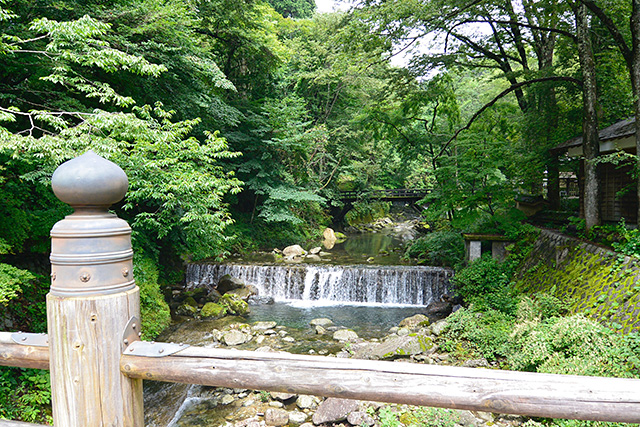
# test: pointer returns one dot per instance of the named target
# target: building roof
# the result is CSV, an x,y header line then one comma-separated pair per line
x,y
621,129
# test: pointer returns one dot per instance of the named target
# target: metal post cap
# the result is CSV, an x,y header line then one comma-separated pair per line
x,y
89,180
90,249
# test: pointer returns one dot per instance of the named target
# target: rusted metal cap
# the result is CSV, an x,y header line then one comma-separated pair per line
x,y
90,249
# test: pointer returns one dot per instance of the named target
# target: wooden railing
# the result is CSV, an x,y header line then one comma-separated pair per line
x,y
399,193
97,361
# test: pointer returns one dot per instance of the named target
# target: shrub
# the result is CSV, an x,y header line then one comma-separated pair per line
x,y
485,283
443,248
571,345
471,334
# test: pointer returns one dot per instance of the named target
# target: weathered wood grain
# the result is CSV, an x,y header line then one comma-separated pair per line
x,y
522,393
85,336
22,356
9,423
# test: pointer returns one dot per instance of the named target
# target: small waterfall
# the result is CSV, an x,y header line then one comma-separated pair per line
x,y
401,285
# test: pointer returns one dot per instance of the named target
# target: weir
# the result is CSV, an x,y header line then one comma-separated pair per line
x,y
400,285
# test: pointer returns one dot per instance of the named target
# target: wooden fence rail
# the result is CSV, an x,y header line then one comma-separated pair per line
x,y
510,392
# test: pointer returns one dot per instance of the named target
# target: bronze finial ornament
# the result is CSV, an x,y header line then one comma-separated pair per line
x,y
90,248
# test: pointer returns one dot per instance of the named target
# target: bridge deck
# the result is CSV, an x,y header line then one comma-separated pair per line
x,y
393,194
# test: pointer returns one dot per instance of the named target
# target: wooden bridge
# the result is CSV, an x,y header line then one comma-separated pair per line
x,y
399,194
98,362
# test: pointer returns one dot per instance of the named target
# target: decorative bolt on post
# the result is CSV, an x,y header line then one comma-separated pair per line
x,y
91,299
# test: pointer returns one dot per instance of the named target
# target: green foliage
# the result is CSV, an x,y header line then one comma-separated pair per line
x,y
366,211
471,334
486,283
11,282
153,308
25,395
444,248
571,345
629,241
417,417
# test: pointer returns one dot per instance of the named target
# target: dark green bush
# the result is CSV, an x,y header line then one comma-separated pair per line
x,y
485,283
443,248
470,334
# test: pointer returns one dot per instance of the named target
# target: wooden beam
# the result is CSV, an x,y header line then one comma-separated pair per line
x,y
22,356
510,392
10,423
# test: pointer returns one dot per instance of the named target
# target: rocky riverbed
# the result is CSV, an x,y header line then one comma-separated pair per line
x,y
414,340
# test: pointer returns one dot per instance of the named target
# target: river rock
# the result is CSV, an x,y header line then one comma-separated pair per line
x,y
263,326
322,321
289,339
360,418
345,335
235,337
260,300
234,304
334,410
212,310
438,327
306,402
293,251
329,234
228,283
414,321
244,292
282,396
297,417
227,399
314,258
186,310
403,332
439,309
315,251
213,296
320,330
397,347
276,417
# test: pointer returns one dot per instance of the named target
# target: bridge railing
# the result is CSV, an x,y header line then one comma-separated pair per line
x,y
98,362
398,193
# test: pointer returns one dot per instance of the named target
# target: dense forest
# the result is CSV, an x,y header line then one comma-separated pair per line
x,y
238,122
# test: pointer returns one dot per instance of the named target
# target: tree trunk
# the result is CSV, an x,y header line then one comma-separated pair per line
x,y
590,138
635,84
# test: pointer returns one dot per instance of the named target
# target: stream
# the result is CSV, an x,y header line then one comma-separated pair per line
x,y
360,287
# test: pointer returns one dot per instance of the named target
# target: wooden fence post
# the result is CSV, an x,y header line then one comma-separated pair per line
x,y
93,296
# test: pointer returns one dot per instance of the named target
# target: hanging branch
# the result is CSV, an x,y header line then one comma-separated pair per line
x,y
502,95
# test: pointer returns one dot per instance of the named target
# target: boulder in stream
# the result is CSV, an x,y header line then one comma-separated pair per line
x,y
211,310
228,283
293,251
345,335
235,337
276,417
334,410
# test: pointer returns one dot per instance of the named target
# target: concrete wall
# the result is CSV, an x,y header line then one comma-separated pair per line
x,y
598,282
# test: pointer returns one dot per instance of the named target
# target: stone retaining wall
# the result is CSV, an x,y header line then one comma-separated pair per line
x,y
597,282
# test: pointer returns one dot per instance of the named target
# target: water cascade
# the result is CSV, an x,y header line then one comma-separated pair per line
x,y
401,285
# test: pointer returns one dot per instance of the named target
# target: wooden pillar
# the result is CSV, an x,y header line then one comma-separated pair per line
x,y
93,296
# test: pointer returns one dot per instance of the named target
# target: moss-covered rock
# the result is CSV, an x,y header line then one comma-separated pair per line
x,y
186,310
211,310
234,304
191,301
